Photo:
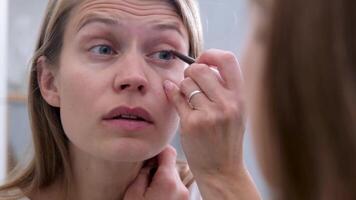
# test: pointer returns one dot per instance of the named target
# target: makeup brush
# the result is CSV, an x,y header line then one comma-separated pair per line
x,y
183,57
190,60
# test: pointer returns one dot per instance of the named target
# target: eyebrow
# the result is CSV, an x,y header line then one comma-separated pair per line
x,y
174,26
97,19
110,21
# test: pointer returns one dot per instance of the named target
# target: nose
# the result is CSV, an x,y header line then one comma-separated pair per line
x,y
131,76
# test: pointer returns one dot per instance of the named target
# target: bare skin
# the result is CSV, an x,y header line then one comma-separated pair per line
x,y
212,131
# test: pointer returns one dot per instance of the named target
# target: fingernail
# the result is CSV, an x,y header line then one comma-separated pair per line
x,y
168,85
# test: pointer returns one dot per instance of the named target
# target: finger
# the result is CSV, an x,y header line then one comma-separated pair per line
x,y
167,170
167,158
207,79
197,101
140,184
176,97
167,178
226,64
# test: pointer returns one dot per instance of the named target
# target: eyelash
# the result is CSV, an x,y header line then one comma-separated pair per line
x,y
112,51
166,52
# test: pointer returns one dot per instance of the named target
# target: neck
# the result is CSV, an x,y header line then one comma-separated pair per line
x,y
93,179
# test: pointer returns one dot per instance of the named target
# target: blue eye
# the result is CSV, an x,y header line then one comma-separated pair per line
x,y
102,50
163,55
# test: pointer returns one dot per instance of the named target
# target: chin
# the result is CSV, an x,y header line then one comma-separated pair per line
x,y
133,151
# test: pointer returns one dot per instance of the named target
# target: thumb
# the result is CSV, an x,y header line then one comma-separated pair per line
x,y
176,97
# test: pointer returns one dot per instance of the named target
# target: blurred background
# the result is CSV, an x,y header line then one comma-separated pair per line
x,y
225,26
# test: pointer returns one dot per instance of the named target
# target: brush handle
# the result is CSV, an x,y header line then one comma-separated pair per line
x,y
183,57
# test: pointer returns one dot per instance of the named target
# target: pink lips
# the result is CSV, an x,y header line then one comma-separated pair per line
x,y
128,119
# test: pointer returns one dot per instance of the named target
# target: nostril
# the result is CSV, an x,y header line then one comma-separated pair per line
x,y
124,86
140,88
127,86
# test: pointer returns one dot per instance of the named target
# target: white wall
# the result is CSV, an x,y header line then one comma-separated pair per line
x,y
3,87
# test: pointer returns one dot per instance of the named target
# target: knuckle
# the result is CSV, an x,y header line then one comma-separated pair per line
x,y
232,113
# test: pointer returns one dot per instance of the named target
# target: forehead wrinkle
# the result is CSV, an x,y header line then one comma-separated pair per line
x,y
105,18
110,12
97,17
146,3
114,19
143,2
131,8
132,12
157,25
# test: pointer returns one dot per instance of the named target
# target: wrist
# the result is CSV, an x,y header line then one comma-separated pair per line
x,y
237,185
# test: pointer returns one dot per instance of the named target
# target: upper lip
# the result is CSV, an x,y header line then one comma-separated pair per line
x,y
136,112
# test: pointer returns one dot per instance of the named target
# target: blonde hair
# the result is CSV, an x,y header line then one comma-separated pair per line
x,y
51,156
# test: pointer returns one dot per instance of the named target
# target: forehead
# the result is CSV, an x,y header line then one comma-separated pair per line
x,y
143,10
138,15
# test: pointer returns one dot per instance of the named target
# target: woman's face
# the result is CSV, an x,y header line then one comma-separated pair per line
x,y
110,78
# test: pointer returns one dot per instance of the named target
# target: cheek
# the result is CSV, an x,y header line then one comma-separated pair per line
x,y
80,92
169,119
76,89
174,73
169,114
81,82
75,81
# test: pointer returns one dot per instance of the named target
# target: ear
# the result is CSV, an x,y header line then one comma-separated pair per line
x,y
47,82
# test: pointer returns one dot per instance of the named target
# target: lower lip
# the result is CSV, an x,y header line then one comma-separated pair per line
x,y
128,125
